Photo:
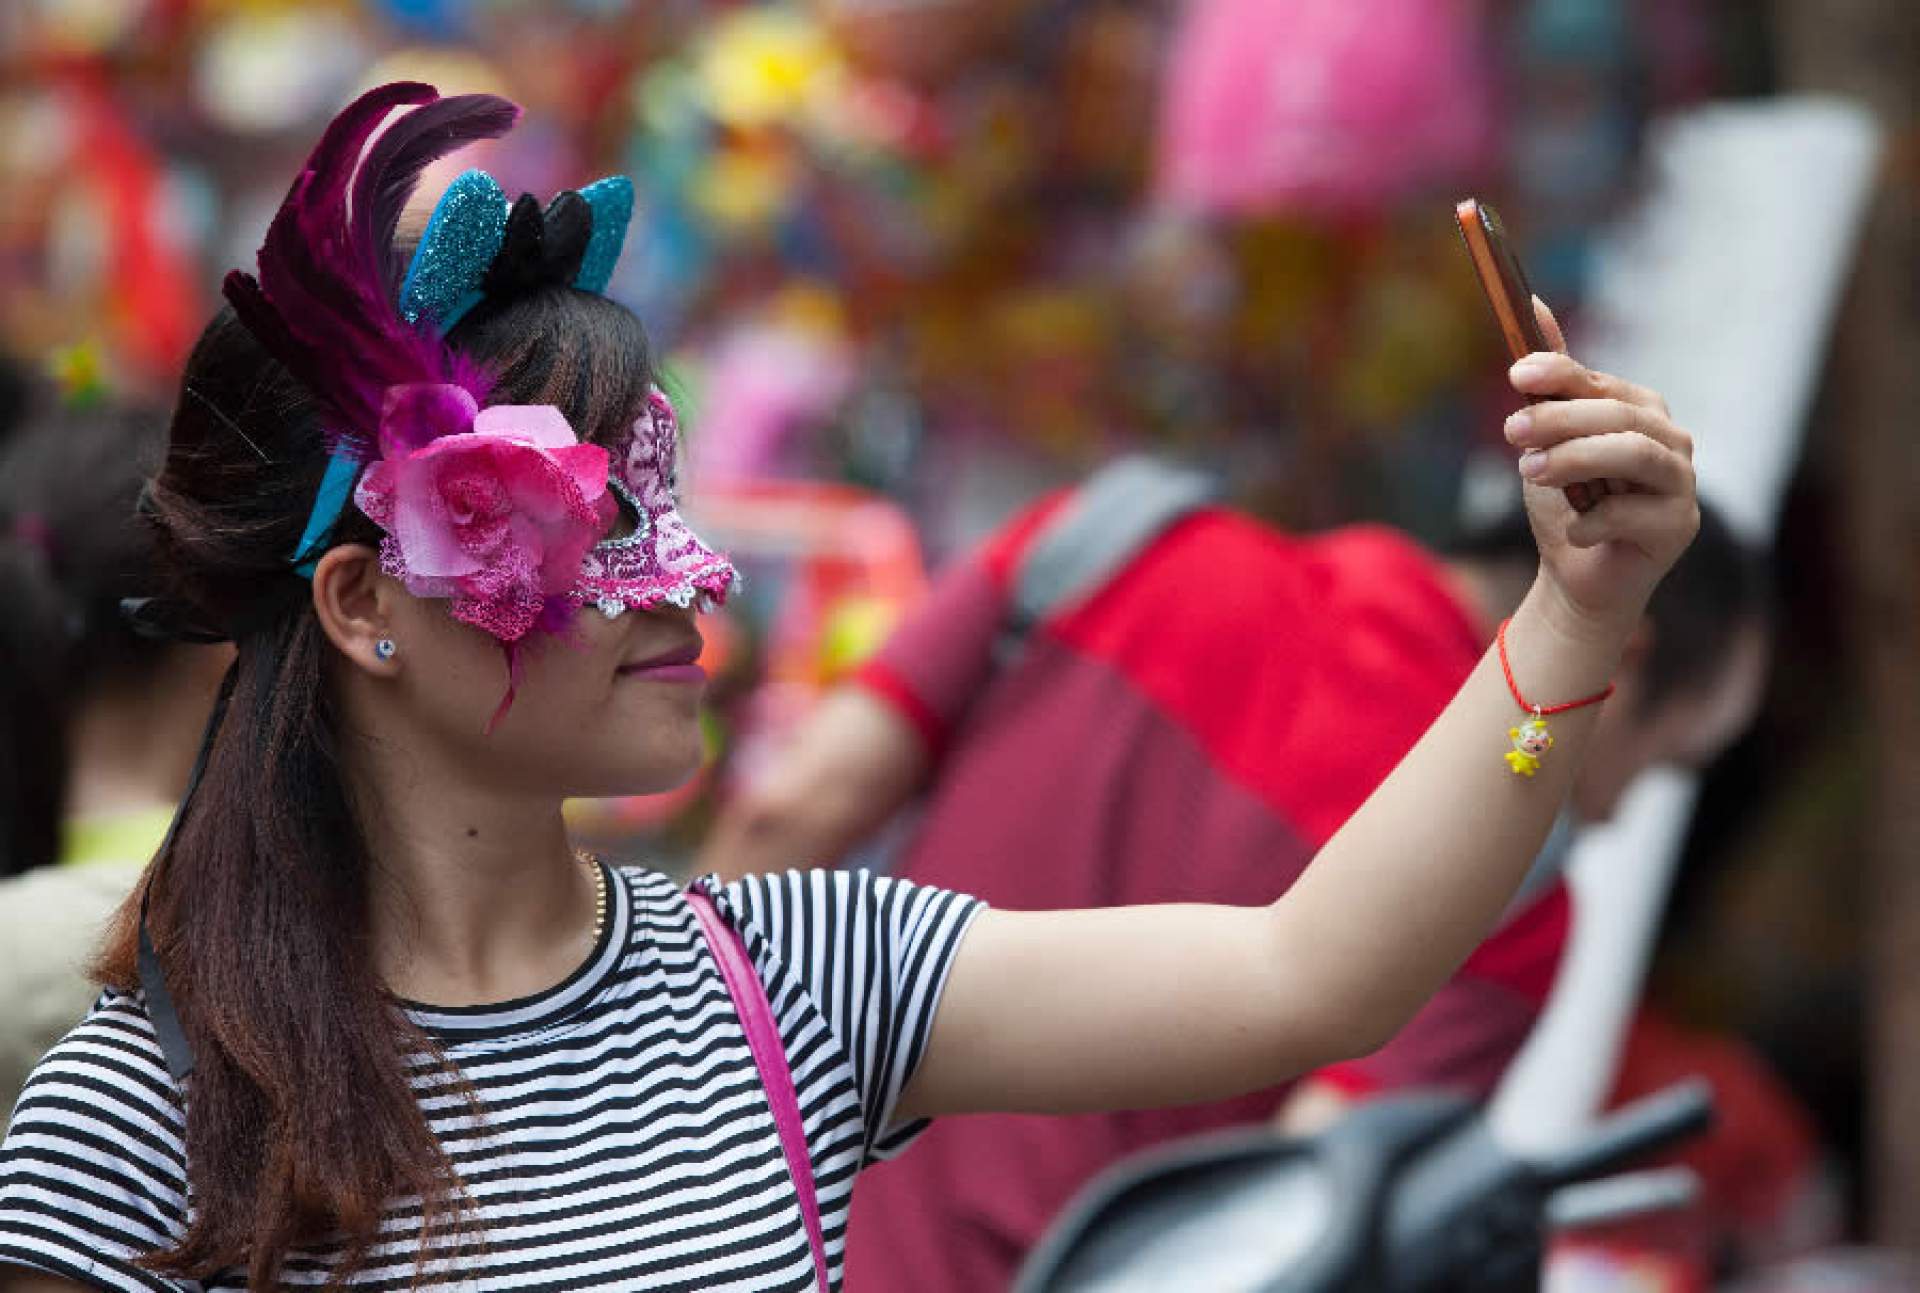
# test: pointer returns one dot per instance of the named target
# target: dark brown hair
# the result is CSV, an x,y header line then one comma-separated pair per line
x,y
302,1124
1719,586
70,549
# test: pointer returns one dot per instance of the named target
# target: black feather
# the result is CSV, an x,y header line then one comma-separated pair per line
x,y
569,224
516,269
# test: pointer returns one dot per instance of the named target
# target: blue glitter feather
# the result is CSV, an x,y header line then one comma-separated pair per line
x,y
611,201
336,487
462,238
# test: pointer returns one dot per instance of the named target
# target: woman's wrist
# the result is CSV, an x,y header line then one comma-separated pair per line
x,y
1558,652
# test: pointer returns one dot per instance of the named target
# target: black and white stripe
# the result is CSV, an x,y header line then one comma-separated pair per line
x,y
625,1143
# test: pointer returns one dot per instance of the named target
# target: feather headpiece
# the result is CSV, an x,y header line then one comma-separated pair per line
x,y
323,303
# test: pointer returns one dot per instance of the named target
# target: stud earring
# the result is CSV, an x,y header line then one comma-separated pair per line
x,y
384,649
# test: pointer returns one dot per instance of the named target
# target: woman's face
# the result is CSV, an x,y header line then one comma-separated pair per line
x,y
1689,730
607,707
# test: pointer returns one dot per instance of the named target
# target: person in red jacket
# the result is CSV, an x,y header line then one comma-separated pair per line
x,y
1194,727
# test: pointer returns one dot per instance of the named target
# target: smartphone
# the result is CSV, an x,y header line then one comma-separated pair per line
x,y
1505,285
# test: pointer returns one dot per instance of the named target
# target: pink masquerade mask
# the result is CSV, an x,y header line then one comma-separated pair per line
x,y
662,561
503,511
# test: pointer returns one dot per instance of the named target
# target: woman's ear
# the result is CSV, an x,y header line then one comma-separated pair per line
x,y
353,602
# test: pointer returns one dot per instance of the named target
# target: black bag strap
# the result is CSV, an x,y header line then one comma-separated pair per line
x,y
161,1010
1113,517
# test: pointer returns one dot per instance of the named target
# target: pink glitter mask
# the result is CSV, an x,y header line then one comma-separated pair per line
x,y
501,512
661,561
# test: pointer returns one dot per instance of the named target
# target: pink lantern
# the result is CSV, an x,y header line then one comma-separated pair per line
x,y
1323,107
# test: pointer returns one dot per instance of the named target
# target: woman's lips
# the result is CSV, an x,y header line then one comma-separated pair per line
x,y
680,673
678,665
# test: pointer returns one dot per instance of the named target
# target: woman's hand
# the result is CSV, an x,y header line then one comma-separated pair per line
x,y
1601,564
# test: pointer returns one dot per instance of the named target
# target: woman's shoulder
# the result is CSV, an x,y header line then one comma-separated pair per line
x,y
108,1068
93,1168
644,883
826,898
861,960
826,926
654,901
756,903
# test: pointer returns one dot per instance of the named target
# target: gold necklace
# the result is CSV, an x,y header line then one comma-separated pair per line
x,y
599,892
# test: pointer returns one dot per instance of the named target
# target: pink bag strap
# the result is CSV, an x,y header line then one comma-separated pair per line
x,y
770,1057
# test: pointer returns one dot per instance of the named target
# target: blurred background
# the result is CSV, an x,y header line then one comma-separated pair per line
x,y
914,262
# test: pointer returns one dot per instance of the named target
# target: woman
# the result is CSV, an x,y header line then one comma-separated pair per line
x,y
98,725
418,1035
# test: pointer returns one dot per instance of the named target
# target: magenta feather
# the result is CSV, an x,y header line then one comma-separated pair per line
x,y
323,303
415,142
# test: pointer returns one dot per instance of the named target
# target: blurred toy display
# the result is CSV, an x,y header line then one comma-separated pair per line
x,y
1330,107
92,234
1021,231
1057,229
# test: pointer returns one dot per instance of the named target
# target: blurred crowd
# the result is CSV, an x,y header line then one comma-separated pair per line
x,y
911,266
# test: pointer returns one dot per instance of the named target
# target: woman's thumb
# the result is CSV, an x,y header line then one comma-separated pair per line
x,y
1549,325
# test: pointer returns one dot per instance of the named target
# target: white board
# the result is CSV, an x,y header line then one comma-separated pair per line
x,y
1719,291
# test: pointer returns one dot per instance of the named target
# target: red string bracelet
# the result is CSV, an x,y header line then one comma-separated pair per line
x,y
1531,739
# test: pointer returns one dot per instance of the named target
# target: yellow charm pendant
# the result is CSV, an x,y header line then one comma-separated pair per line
x,y
1531,741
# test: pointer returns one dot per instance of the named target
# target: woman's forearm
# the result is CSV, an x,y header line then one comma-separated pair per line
x,y
1419,875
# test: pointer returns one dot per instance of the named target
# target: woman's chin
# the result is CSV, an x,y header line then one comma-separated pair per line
x,y
657,776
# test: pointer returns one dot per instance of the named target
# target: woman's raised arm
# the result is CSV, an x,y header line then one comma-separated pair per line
x,y
1139,1006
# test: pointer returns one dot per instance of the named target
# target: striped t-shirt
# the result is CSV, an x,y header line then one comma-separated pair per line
x,y
626,1140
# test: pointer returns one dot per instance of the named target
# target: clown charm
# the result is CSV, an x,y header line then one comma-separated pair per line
x,y
1531,741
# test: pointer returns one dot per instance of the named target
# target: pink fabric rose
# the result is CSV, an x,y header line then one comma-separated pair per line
x,y
496,518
